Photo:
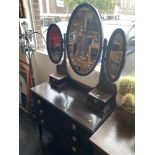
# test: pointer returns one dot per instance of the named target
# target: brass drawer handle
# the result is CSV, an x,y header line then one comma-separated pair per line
x,y
41,111
73,127
38,101
73,149
74,138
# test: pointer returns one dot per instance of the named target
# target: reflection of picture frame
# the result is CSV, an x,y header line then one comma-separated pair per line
x,y
25,83
22,13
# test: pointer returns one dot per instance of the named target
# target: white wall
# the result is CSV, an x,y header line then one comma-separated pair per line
x,y
42,67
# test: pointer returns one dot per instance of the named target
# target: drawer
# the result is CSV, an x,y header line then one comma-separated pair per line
x,y
37,101
51,114
72,127
76,133
59,139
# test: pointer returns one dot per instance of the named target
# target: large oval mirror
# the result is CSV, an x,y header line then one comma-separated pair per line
x,y
115,55
84,39
54,43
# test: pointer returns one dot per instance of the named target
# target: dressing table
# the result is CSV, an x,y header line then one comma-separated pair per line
x,y
68,116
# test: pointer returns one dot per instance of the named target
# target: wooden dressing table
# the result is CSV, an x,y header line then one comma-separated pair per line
x,y
68,116
76,115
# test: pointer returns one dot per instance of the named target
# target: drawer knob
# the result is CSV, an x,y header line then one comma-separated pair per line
x,y
39,102
41,111
95,101
42,121
33,115
73,149
74,138
73,127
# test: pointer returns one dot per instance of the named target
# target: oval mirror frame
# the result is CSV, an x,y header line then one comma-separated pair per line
x,y
54,43
82,54
114,62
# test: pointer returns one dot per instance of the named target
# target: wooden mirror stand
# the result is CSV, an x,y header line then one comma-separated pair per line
x,y
106,89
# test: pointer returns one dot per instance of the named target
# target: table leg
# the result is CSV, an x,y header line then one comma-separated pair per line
x,y
40,131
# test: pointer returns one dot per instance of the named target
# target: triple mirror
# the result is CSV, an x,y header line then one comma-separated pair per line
x,y
84,44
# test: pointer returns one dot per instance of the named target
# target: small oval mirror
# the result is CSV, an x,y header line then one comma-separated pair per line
x,y
54,43
115,55
84,39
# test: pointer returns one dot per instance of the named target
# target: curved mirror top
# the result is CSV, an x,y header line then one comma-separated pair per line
x,y
84,39
54,43
115,56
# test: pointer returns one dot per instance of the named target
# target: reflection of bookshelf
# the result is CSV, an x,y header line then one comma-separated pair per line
x,y
92,46
116,56
81,64
114,64
75,37
76,27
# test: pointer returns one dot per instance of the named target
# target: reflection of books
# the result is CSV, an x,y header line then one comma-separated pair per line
x,y
116,56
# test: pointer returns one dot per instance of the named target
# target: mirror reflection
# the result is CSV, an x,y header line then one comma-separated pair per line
x,y
116,54
84,40
54,43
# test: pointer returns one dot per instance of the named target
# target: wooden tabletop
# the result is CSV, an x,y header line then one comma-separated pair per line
x,y
72,100
114,137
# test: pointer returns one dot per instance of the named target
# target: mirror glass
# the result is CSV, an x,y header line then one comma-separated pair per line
x,y
115,56
84,39
54,43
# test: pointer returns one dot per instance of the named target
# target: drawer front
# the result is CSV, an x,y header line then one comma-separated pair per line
x,y
48,114
75,132
51,114
72,127
37,102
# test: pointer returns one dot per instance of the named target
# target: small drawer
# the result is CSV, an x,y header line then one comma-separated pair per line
x,y
50,114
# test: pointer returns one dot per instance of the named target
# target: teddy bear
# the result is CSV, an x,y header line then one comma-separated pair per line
x,y
125,96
